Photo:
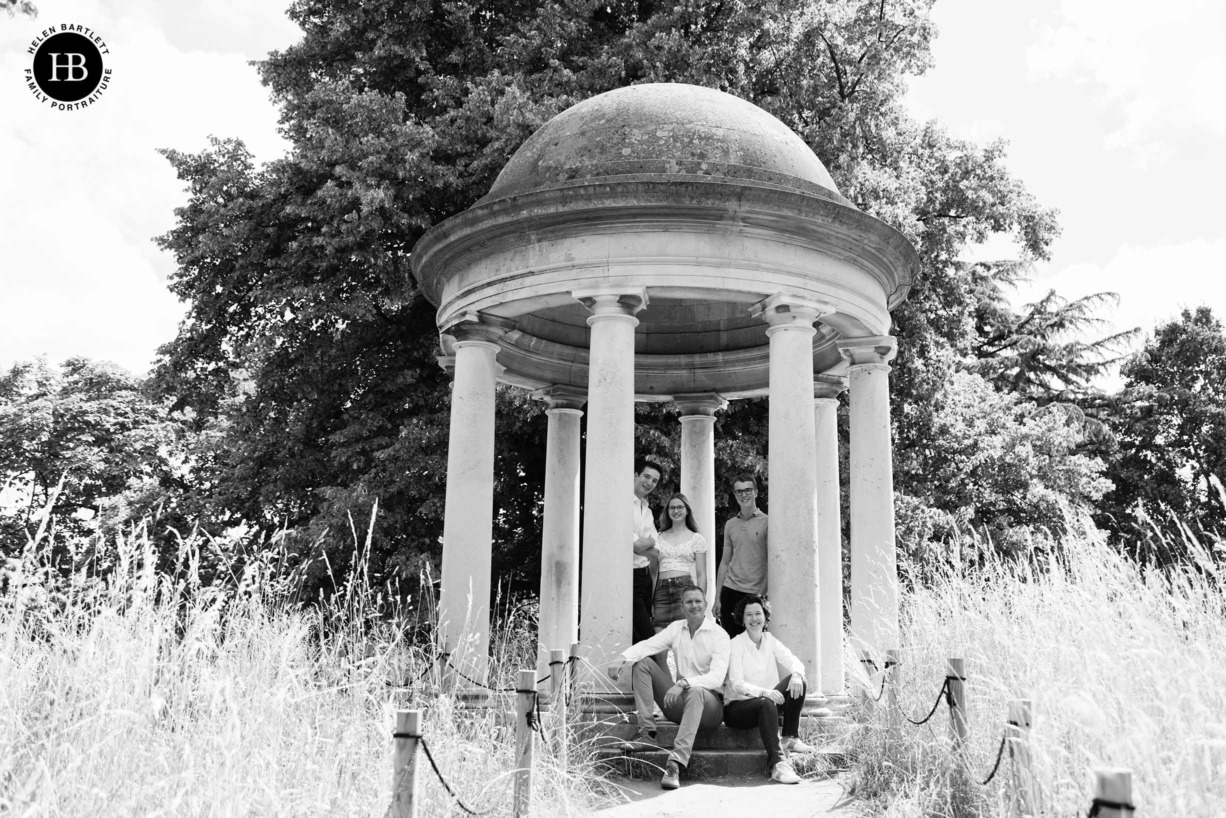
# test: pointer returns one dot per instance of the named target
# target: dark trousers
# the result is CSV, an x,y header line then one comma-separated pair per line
x,y
640,596
728,599
745,714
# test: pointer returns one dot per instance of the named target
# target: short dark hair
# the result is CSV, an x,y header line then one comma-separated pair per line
x,y
753,599
685,589
744,477
644,463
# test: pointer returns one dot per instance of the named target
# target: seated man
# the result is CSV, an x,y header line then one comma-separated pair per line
x,y
695,699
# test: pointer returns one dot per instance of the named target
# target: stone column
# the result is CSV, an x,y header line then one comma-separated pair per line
x,y
829,534
608,539
698,466
468,518
559,617
874,571
791,575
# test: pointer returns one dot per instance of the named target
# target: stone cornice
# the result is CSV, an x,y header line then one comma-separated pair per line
x,y
666,203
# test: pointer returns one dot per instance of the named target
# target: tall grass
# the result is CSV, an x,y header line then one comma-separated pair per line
x,y
140,693
1123,663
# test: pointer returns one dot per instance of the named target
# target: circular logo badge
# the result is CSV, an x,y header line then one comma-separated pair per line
x,y
68,67
68,71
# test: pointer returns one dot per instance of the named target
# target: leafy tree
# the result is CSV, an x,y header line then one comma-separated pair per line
x,y
1010,469
23,6
304,328
73,438
1170,425
1040,352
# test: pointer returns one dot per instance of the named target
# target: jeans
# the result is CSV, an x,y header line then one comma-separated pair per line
x,y
697,706
745,714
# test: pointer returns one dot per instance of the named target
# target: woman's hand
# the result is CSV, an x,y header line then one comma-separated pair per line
x,y
774,695
796,686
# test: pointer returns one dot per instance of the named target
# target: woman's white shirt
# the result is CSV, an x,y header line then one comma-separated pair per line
x,y
754,669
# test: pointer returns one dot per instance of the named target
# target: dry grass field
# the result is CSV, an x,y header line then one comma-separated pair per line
x,y
153,694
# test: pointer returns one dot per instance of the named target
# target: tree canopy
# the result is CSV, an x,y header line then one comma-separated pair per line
x,y
304,328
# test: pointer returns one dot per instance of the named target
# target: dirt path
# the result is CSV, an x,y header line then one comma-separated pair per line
x,y
824,798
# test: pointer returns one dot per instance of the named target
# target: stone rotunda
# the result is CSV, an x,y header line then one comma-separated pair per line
x,y
670,243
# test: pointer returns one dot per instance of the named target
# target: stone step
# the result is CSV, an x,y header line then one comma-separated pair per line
x,y
621,726
705,764
718,738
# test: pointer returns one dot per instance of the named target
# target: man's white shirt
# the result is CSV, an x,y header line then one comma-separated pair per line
x,y
702,659
644,526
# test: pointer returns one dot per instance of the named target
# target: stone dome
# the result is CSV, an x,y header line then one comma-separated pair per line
x,y
664,128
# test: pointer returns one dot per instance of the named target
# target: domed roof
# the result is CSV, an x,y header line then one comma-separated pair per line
x,y
664,129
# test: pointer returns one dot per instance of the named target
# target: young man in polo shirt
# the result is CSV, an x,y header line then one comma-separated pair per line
x,y
742,566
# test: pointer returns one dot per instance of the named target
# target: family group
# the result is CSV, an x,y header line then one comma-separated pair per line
x,y
727,670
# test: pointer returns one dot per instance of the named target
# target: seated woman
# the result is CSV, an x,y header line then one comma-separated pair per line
x,y
683,561
754,693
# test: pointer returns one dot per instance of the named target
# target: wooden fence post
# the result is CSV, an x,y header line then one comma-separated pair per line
x,y
869,666
446,678
1112,794
557,694
524,709
406,740
1024,799
893,712
956,679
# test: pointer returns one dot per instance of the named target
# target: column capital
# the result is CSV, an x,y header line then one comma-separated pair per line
x,y
561,397
828,387
605,300
872,349
785,310
701,404
475,326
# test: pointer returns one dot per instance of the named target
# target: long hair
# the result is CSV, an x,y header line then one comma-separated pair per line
x,y
666,522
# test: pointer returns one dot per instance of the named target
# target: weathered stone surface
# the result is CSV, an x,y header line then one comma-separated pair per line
x,y
664,128
703,200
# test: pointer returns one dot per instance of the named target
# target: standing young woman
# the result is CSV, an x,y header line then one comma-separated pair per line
x,y
754,694
683,560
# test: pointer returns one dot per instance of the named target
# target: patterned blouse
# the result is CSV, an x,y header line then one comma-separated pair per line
x,y
681,557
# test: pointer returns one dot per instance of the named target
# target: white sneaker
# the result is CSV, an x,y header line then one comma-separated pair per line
x,y
791,744
784,774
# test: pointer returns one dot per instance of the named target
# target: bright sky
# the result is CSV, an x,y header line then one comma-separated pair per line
x,y
1111,109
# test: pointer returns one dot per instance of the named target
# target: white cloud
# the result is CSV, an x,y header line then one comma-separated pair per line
x,y
1155,282
1157,69
85,191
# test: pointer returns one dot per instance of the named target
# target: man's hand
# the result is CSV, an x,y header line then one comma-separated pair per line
x,y
774,695
644,544
616,668
796,686
673,696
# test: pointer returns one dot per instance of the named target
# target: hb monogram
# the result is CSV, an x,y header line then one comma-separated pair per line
x,y
71,65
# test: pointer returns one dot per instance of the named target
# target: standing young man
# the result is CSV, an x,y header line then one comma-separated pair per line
x,y
646,477
742,566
